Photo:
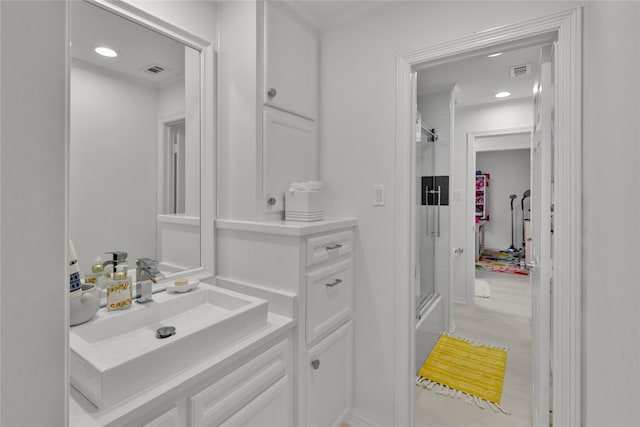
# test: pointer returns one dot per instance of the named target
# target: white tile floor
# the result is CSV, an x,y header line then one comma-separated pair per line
x,y
502,319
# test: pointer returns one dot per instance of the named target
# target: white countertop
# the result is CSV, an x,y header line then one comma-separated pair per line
x,y
287,228
83,413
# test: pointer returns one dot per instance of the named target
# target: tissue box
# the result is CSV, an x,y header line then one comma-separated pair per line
x,y
303,206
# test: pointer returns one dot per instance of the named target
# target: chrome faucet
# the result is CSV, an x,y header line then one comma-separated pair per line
x,y
146,274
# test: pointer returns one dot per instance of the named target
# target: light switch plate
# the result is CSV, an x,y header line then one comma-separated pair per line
x,y
378,195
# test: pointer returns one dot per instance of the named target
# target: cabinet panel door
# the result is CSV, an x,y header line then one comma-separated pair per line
x,y
329,379
270,409
289,155
329,292
290,63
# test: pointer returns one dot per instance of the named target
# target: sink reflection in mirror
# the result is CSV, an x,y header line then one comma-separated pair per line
x,y
134,181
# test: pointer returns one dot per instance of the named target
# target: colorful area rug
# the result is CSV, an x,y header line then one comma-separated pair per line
x,y
460,368
501,262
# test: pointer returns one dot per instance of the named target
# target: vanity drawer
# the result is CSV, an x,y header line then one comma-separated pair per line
x,y
328,300
323,248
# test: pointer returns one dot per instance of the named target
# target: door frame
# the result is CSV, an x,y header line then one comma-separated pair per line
x,y
469,260
566,28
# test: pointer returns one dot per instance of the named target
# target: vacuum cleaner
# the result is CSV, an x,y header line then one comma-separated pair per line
x,y
512,248
524,196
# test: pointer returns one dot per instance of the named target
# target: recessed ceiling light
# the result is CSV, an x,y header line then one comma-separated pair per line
x,y
493,55
502,94
105,51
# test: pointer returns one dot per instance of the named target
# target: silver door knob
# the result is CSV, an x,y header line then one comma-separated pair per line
x,y
458,251
272,93
271,201
315,363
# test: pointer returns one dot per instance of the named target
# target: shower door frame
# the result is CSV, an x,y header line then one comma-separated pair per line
x,y
566,28
428,231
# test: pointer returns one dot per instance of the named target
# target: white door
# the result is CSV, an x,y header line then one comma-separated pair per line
x,y
541,234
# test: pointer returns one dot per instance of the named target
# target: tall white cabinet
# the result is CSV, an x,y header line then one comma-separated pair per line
x,y
288,98
268,102
314,262
290,62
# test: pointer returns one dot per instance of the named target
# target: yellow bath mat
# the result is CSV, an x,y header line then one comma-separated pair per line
x,y
460,368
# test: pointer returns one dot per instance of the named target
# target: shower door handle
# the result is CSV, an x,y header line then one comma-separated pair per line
x,y
426,204
438,214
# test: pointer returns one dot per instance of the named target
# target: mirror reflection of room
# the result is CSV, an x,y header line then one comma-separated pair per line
x,y
134,183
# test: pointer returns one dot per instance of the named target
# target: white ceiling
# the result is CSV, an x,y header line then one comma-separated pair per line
x,y
137,46
328,13
480,78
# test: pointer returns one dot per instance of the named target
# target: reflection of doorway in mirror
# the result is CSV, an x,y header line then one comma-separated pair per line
x,y
175,167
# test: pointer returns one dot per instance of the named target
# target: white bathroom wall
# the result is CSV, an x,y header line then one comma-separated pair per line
x,y
192,133
509,170
170,99
237,53
34,285
113,144
359,60
611,247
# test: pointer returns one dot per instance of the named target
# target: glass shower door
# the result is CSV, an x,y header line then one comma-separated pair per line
x,y
428,221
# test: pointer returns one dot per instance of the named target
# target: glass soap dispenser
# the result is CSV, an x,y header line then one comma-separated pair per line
x,y
119,291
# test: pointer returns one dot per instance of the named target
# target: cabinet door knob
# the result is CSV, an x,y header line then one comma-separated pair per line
x,y
315,363
458,251
271,201
272,93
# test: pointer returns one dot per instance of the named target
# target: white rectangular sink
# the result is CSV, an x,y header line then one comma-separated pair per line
x,y
117,354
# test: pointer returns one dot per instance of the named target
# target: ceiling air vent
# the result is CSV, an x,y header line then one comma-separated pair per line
x,y
520,70
153,69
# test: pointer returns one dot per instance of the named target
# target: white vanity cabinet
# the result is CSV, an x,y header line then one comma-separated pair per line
x,y
313,261
253,387
258,392
290,62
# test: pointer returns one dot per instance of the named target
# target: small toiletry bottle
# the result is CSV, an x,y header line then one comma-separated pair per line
x,y
119,291
97,275
75,285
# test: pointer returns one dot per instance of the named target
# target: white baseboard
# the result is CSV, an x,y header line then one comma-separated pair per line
x,y
358,419
459,301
